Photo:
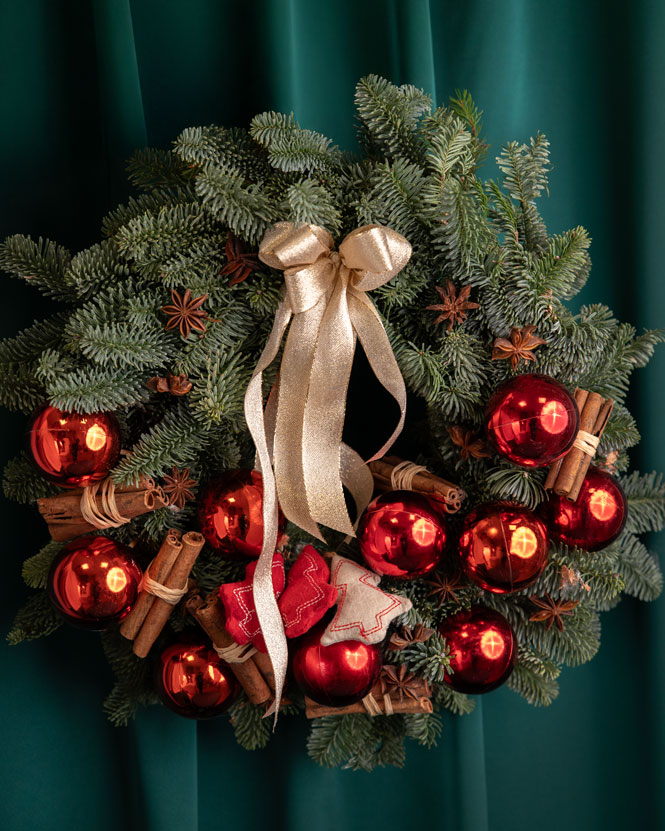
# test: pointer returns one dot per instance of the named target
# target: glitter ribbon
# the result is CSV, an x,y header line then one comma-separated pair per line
x,y
299,437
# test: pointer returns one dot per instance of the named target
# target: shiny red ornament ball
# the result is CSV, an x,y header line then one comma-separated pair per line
x,y
532,420
73,450
483,650
403,534
194,682
595,519
231,514
334,675
503,546
94,582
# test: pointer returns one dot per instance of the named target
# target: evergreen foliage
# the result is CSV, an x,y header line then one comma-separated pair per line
x,y
419,174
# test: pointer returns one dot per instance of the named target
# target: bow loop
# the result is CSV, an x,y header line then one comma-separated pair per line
x,y
328,310
376,253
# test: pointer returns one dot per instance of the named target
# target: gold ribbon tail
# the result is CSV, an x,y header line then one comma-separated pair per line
x,y
265,603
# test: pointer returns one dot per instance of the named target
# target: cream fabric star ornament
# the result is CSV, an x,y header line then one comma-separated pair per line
x,y
363,609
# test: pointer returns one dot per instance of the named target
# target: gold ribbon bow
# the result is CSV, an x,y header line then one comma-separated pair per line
x,y
299,437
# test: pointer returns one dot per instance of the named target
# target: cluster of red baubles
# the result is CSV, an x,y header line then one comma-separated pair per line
x,y
532,420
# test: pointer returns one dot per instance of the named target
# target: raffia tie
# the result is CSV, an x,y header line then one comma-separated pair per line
x,y
373,707
237,653
587,443
298,438
170,596
107,515
403,474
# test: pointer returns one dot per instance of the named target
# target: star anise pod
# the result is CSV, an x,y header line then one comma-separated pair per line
x,y
406,636
520,346
178,487
186,313
175,384
469,443
552,611
454,306
443,587
240,262
397,682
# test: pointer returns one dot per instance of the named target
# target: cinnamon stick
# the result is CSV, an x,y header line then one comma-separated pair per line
x,y
599,427
159,570
580,399
64,518
264,664
192,543
567,475
424,482
208,613
421,704
407,705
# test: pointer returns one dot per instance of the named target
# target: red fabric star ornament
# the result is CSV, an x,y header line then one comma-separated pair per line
x,y
242,622
363,610
308,595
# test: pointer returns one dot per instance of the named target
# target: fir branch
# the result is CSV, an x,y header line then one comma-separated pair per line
x,y
121,345
36,568
252,730
150,169
518,485
336,740
534,678
92,389
23,482
425,728
290,148
133,688
42,264
174,442
19,389
646,501
638,567
28,345
390,115
308,202
246,210
36,619
96,268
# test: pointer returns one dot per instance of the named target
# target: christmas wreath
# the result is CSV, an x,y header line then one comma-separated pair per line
x,y
185,442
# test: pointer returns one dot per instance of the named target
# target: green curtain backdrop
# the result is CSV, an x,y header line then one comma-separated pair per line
x,y
83,82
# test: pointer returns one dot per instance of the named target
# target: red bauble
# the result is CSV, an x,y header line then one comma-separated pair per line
x,y
403,534
71,449
503,547
94,582
483,650
532,420
194,682
595,519
231,514
335,675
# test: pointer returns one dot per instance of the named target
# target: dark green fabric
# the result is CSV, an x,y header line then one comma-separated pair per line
x,y
85,82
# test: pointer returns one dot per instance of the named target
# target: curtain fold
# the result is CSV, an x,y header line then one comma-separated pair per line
x,y
83,82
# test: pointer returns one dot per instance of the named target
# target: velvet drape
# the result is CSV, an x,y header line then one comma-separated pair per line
x,y
83,82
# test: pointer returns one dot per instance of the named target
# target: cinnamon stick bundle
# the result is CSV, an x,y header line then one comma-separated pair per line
x,y
64,515
566,475
209,614
421,704
160,611
159,570
425,482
